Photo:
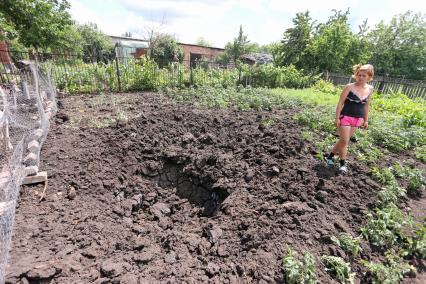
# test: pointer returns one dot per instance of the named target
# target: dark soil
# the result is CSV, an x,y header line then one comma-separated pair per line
x,y
179,194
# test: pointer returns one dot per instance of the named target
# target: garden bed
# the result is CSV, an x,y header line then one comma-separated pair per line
x,y
142,190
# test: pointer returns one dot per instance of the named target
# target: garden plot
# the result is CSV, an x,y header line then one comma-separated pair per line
x,y
145,190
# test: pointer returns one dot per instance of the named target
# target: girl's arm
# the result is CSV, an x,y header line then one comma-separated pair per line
x,y
342,99
366,109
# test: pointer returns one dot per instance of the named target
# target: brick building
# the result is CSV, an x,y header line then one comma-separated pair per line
x,y
4,55
133,47
193,52
5,60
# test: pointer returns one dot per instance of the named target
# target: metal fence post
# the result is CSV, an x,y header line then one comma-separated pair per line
x,y
191,79
117,69
239,76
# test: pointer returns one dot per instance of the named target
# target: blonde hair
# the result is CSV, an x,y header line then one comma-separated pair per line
x,y
366,67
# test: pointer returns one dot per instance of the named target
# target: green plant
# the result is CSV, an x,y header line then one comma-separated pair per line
x,y
416,181
348,243
387,130
308,136
339,268
416,245
96,123
385,228
326,87
121,116
391,273
268,122
384,175
420,153
279,77
365,149
324,143
412,111
321,120
390,194
299,271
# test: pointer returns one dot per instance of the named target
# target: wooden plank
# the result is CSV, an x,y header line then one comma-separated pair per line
x,y
39,177
423,94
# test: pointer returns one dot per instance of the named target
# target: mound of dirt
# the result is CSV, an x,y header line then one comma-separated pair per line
x,y
179,194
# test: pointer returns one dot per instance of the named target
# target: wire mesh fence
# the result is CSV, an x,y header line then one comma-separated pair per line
x,y
27,102
77,74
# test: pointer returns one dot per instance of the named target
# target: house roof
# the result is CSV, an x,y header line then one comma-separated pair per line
x,y
190,44
130,41
134,44
259,58
123,38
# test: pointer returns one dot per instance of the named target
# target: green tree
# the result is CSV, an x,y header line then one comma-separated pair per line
x,y
399,48
269,48
96,46
233,50
359,48
37,23
203,42
293,47
330,45
165,49
69,41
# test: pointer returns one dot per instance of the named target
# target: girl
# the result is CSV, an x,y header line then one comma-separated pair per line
x,y
352,111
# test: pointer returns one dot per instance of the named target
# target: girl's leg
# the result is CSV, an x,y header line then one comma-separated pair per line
x,y
345,133
353,129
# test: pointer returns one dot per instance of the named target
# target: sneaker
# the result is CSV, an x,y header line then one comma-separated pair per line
x,y
343,169
330,162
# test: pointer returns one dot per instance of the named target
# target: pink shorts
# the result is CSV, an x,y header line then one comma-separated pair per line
x,y
351,121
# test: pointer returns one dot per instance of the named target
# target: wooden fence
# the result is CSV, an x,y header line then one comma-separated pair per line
x,y
384,84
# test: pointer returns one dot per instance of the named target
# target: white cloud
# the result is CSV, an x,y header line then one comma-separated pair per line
x,y
218,20
313,6
176,9
82,14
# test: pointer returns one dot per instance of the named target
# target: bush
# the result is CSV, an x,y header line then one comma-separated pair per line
x,y
270,76
326,87
412,111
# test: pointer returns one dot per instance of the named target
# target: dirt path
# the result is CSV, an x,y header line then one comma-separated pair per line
x,y
179,194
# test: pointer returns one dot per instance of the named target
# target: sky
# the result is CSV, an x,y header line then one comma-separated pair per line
x,y
218,21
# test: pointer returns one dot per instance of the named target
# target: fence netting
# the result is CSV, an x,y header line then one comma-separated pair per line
x,y
27,102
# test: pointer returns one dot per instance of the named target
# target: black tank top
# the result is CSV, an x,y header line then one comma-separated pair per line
x,y
354,106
